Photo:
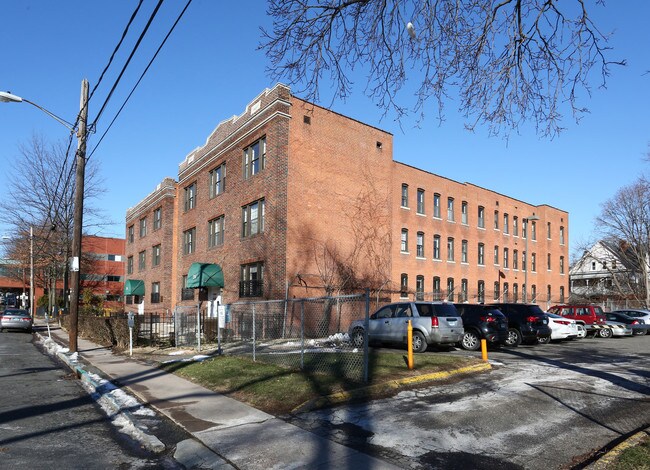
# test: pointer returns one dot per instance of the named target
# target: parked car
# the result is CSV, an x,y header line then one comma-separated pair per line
x,y
591,316
527,323
639,328
636,313
617,329
563,328
433,324
16,319
482,322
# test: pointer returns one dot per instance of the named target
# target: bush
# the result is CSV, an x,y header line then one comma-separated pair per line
x,y
107,331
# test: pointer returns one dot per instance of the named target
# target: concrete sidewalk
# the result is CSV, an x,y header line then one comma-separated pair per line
x,y
228,433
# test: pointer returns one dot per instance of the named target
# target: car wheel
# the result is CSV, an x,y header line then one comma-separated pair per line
x,y
605,333
419,342
639,332
357,338
470,341
544,339
514,338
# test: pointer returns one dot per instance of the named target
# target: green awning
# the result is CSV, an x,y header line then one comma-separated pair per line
x,y
134,287
204,275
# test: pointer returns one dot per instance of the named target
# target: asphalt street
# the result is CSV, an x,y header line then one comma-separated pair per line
x,y
541,407
47,419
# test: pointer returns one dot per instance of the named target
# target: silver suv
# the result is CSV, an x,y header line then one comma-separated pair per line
x,y
434,323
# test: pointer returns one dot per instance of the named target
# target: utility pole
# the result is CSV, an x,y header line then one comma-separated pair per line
x,y
78,216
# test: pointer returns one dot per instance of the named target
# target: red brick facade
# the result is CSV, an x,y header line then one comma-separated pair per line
x,y
318,208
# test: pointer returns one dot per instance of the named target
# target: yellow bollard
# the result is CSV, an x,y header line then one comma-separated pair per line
x,y
409,342
484,349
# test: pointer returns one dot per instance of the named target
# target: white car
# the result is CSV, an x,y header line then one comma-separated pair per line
x,y
636,313
616,328
563,328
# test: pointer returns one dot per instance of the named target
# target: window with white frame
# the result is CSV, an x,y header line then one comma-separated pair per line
x,y
143,227
481,254
157,218
506,261
463,213
217,180
463,251
215,231
420,245
155,255
405,195
450,249
254,158
253,218
450,209
404,246
436,206
481,217
420,201
190,197
189,241
506,224
436,247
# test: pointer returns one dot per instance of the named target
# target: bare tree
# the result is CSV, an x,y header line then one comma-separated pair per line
x,y
508,60
626,218
42,197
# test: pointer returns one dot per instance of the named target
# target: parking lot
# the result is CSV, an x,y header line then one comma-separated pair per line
x,y
542,406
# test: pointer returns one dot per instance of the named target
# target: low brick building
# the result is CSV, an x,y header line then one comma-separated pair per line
x,y
292,199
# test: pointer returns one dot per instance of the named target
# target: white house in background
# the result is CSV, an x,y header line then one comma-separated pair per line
x,y
605,272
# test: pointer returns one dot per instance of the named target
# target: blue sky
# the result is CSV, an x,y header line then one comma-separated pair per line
x,y
210,69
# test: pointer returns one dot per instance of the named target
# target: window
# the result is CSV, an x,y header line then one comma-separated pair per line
x,y
450,249
186,293
404,285
463,290
524,255
190,197
215,232
548,261
463,251
561,294
131,233
420,245
157,218
515,259
436,247
481,216
419,288
524,228
496,220
533,262
142,260
548,230
189,241
561,235
496,254
253,218
496,290
450,289
450,209
404,247
254,158
506,224
420,201
463,212
481,291
251,282
217,178
533,230
129,265
505,258
437,292
548,293
515,226
155,255
515,293
481,254
533,293
155,292
561,264
436,206
143,227
506,293
405,195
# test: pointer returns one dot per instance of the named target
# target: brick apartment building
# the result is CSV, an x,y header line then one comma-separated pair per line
x,y
289,198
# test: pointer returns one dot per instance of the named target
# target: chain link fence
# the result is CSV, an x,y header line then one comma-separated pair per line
x,y
310,334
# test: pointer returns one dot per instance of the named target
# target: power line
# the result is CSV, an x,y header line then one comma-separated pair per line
x,y
135,48
119,44
141,77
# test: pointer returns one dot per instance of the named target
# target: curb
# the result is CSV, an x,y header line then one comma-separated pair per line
x,y
100,394
608,459
343,397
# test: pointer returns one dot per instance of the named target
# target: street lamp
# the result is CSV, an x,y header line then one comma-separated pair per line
x,y
7,97
531,218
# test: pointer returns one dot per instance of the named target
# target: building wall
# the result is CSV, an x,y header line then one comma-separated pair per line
x,y
163,198
333,213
